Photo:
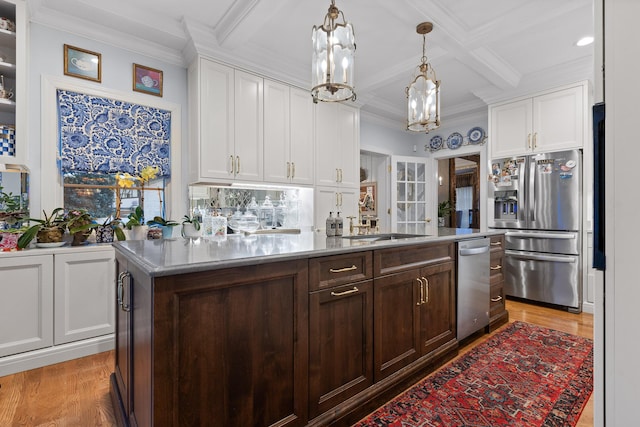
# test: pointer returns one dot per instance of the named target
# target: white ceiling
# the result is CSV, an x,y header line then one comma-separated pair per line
x,y
482,50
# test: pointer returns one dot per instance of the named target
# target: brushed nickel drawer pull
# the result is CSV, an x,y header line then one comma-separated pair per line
x,y
342,270
496,299
350,291
497,267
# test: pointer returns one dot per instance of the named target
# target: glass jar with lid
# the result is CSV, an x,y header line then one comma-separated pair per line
x,y
266,214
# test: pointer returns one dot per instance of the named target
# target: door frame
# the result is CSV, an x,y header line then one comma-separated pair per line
x,y
483,166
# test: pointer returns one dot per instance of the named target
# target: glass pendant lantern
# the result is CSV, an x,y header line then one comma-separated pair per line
x,y
334,49
423,93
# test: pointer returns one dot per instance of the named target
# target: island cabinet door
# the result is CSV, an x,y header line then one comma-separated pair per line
x,y
396,322
437,306
340,343
231,347
123,348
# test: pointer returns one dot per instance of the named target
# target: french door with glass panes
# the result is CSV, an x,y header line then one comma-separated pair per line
x,y
411,203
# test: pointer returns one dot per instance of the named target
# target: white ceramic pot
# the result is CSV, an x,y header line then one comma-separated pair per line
x,y
189,231
139,232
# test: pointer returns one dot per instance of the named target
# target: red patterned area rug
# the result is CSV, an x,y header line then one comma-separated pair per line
x,y
525,375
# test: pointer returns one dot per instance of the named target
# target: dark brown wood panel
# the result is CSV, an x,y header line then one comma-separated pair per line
x,y
396,322
393,260
341,344
438,312
327,272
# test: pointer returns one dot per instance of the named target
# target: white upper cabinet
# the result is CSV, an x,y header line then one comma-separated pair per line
x,y
552,121
226,122
288,134
337,145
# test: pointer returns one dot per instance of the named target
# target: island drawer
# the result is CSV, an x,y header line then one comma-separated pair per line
x,y
327,272
393,260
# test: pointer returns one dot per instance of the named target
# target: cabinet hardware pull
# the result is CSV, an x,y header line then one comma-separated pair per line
x,y
293,170
342,270
497,267
529,141
337,175
535,140
288,170
426,290
341,175
421,300
350,291
237,164
496,299
232,165
121,277
340,204
496,243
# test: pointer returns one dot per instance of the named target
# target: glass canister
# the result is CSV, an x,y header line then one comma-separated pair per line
x,y
266,214
281,212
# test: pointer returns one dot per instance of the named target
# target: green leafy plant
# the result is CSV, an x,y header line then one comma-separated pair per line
x,y
161,222
444,208
79,220
135,218
54,221
191,220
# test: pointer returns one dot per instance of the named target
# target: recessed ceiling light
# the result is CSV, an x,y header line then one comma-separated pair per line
x,y
585,41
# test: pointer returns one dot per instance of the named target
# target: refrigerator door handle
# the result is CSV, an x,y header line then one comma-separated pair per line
x,y
473,251
526,235
532,190
537,257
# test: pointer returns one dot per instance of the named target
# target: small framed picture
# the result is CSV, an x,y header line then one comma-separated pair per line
x,y
147,80
82,63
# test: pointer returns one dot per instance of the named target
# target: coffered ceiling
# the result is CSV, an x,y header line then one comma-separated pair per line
x,y
482,51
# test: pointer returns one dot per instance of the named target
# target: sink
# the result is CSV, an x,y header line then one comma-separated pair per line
x,y
385,236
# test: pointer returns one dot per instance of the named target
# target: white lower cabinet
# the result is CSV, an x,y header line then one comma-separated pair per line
x,y
26,303
55,305
84,296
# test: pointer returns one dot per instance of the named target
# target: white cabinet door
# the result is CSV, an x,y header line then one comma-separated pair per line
x,y
332,199
552,121
558,120
411,201
337,145
211,115
249,127
510,128
301,149
84,295
26,303
277,162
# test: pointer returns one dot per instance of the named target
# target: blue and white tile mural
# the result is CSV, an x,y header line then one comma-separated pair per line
x,y
106,135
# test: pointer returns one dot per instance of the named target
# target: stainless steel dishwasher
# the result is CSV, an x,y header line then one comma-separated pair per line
x,y
473,286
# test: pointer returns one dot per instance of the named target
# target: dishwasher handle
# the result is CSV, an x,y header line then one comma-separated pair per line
x,y
473,251
567,259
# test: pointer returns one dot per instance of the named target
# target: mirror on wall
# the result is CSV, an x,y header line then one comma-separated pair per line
x,y
14,198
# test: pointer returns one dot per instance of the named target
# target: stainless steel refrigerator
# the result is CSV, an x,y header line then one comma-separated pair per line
x,y
537,199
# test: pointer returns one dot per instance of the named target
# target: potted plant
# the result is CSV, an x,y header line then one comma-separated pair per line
x,y
166,225
444,209
135,224
111,226
11,211
190,227
80,224
47,230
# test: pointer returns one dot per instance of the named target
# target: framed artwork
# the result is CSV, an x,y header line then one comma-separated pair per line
x,y
147,80
82,63
368,198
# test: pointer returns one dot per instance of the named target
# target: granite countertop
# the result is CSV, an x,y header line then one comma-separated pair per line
x,y
176,256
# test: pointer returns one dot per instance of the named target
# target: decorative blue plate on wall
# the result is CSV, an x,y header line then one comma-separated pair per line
x,y
454,141
475,135
436,142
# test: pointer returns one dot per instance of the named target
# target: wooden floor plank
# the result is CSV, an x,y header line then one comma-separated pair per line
x,y
76,393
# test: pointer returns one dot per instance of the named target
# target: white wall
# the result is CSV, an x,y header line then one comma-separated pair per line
x,y
46,58
622,290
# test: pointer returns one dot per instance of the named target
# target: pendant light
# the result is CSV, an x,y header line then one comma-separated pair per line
x,y
334,50
423,93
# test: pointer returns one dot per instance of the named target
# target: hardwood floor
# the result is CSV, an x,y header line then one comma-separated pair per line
x,y
76,393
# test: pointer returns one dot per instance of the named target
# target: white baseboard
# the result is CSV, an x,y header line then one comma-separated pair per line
x,y
587,307
55,354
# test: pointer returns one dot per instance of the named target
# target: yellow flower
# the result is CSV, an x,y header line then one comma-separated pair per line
x,y
148,173
126,180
